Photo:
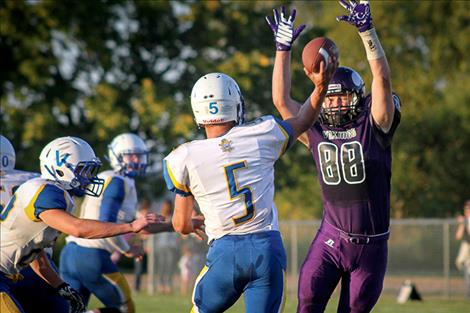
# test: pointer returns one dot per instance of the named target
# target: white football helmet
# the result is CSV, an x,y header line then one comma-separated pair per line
x,y
216,98
71,162
128,155
7,155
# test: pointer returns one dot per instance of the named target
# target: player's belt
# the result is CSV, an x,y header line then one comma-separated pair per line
x,y
364,240
359,239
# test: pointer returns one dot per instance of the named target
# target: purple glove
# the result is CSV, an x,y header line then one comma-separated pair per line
x,y
359,14
283,29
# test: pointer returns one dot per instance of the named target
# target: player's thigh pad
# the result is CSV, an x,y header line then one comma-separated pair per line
x,y
93,269
267,294
319,274
266,290
367,279
254,264
72,266
215,289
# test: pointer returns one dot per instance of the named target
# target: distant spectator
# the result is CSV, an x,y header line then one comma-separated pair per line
x,y
463,233
187,266
166,247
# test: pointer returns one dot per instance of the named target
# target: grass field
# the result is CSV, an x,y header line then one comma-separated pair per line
x,y
177,303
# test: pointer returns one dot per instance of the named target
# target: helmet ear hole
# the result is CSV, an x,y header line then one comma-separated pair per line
x,y
60,173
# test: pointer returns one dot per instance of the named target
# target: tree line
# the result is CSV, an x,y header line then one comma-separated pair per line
x,y
94,69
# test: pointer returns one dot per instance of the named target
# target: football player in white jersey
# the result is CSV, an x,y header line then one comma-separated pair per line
x,y
32,292
42,207
128,155
231,176
11,178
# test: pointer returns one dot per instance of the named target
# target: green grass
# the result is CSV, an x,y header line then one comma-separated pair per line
x,y
387,304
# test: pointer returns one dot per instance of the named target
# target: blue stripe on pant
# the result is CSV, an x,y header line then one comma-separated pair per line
x,y
91,271
252,264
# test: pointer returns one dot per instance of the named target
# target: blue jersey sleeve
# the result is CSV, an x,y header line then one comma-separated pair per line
x,y
287,130
172,184
113,196
49,197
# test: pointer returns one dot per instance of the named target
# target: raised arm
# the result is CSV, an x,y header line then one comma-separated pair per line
x,y
382,108
310,110
285,35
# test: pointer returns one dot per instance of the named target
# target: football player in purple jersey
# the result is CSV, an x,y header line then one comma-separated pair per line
x,y
351,146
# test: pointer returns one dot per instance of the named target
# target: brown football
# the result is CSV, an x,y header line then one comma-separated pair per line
x,y
317,50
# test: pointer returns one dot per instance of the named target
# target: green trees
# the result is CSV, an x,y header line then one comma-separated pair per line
x,y
95,69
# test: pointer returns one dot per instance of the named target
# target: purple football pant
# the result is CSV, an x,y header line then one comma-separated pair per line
x,y
331,257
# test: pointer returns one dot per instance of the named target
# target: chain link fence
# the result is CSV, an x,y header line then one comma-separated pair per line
x,y
420,250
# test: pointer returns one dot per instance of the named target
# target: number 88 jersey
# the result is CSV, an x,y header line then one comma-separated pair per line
x,y
354,168
232,177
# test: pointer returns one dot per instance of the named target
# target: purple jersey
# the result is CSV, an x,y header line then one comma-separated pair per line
x,y
354,168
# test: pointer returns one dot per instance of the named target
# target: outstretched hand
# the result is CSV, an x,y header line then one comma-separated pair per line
x,y
145,221
359,14
283,29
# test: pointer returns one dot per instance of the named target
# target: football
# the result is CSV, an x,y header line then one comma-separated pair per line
x,y
317,50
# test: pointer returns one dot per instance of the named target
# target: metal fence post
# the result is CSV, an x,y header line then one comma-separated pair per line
x,y
294,249
151,265
446,257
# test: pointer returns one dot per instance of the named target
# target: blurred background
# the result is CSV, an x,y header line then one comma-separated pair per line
x,y
95,69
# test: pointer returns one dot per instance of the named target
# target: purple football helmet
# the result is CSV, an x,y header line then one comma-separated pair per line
x,y
345,81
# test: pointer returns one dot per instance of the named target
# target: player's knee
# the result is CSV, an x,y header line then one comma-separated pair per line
x,y
365,303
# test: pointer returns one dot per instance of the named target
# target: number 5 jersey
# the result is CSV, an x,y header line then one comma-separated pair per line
x,y
232,176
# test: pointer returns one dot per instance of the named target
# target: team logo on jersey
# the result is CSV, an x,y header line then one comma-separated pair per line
x,y
336,134
226,145
330,242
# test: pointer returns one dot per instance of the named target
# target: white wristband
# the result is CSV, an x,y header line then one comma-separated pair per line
x,y
372,44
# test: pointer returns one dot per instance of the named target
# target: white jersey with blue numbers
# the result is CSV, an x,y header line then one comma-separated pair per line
x,y
232,177
9,182
22,232
117,203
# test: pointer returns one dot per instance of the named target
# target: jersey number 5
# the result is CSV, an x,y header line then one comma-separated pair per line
x,y
350,159
236,192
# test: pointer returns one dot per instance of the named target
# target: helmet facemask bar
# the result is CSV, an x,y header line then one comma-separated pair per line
x,y
337,116
86,180
129,168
